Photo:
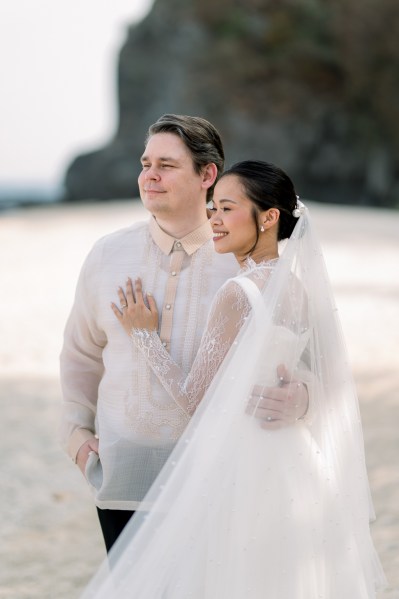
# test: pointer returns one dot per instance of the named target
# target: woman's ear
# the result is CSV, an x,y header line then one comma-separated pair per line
x,y
209,174
269,218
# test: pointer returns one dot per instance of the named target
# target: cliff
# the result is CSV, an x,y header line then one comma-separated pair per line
x,y
311,85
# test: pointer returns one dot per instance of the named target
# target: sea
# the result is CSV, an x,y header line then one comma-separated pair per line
x,y
20,196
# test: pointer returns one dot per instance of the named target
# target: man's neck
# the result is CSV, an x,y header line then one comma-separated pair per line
x,y
180,228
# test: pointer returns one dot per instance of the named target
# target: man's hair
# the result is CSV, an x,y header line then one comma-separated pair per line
x,y
199,136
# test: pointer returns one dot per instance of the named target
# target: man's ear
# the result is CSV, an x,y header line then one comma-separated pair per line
x,y
209,174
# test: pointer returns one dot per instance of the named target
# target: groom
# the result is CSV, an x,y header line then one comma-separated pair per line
x,y
111,401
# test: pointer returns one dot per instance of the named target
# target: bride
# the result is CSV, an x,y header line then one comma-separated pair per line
x,y
239,512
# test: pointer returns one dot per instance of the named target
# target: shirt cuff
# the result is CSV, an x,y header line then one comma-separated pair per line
x,y
76,440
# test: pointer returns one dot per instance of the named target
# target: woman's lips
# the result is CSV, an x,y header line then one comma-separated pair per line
x,y
219,235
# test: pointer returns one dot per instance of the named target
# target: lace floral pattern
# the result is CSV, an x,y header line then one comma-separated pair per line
x,y
258,270
227,315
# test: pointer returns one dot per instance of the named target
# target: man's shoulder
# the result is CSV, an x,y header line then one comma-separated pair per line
x,y
118,239
225,265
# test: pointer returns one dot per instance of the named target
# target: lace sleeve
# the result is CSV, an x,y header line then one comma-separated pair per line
x,y
228,312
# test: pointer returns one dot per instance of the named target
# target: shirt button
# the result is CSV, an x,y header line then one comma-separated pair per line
x,y
173,273
168,307
178,244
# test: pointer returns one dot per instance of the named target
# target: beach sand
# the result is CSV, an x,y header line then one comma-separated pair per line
x,y
50,538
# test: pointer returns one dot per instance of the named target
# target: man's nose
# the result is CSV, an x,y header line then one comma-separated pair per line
x,y
151,173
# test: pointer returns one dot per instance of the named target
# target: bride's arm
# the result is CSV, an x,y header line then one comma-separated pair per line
x,y
227,314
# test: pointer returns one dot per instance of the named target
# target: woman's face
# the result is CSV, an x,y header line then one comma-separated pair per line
x,y
232,218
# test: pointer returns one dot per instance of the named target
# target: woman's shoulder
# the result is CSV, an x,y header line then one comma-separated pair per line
x,y
231,296
256,273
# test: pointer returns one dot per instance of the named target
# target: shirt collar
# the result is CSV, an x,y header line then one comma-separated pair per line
x,y
190,243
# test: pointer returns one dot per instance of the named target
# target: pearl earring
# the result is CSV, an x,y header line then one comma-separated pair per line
x,y
262,229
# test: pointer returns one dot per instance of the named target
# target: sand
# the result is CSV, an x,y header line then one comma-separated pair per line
x,y
50,539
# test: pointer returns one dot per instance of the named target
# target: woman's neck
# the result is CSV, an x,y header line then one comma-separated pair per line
x,y
259,254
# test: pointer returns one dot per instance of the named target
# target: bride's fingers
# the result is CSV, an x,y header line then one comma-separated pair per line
x,y
129,292
138,290
122,298
152,303
116,311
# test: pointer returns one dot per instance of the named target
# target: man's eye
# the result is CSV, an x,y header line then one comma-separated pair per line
x,y
145,166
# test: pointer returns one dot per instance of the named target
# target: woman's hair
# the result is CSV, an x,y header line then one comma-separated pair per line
x,y
267,186
199,136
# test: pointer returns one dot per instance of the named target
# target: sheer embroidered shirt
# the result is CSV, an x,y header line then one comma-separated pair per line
x,y
108,386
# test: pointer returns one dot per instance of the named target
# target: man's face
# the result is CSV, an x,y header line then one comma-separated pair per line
x,y
169,185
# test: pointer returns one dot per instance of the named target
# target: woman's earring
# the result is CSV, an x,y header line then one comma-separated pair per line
x,y
262,229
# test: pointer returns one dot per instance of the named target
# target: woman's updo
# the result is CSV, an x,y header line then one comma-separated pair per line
x,y
267,186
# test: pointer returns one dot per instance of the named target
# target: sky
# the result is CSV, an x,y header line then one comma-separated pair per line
x,y
57,75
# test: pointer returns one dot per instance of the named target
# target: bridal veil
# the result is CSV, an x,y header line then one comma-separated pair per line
x,y
243,512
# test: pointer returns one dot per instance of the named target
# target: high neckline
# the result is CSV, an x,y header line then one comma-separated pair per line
x,y
249,264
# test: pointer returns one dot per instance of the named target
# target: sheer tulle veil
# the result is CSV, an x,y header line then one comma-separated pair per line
x,y
239,511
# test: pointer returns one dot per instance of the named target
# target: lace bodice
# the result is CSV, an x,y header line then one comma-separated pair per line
x,y
226,317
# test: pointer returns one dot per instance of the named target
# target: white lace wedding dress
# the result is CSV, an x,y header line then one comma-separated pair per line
x,y
240,512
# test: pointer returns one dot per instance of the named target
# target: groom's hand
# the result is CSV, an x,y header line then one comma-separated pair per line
x,y
278,407
83,453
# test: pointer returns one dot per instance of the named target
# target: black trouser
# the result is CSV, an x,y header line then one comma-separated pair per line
x,y
112,523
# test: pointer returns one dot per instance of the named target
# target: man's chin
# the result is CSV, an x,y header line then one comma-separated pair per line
x,y
153,202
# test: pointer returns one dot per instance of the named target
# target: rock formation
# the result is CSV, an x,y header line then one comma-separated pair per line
x,y
311,85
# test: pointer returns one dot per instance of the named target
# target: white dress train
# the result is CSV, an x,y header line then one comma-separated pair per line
x,y
240,512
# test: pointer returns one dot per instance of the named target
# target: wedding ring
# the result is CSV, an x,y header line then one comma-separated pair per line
x,y
269,418
123,306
